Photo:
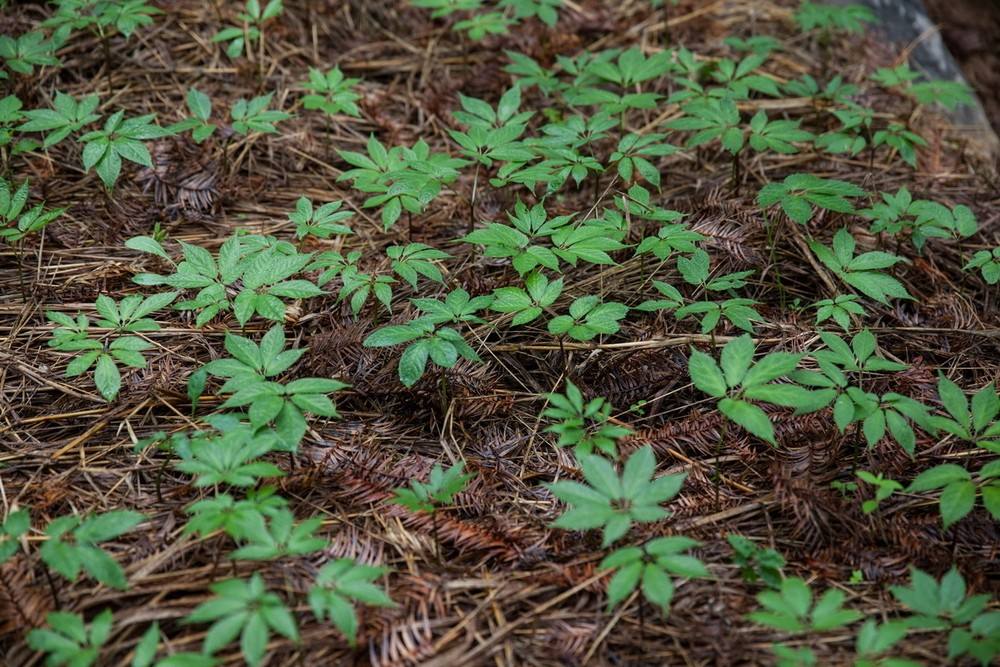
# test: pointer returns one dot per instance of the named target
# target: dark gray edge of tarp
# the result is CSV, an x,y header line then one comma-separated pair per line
x,y
906,21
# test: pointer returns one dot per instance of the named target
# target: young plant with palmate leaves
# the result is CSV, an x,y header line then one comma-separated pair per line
x,y
835,92
779,136
259,269
253,19
739,79
101,17
799,193
710,120
884,488
426,341
740,380
875,641
948,94
959,489
105,351
247,117
862,272
588,318
756,563
331,93
458,307
851,404
545,10
22,54
840,309
614,502
584,425
479,26
10,116
978,425
16,524
520,239
399,178
829,18
590,240
200,107
229,456
278,536
233,517
72,545
342,584
322,222
628,72
988,263
945,606
897,137
429,497
15,222
121,138
492,135
221,512
413,260
69,641
793,609
527,303
695,269
921,219
268,401
852,136
244,608
650,566
253,116
251,362
635,153
67,116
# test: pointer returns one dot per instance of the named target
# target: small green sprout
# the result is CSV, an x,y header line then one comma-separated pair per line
x,y
72,542
585,426
426,341
862,272
792,609
588,318
799,193
650,567
340,585
128,316
740,381
331,93
614,502
245,609
68,641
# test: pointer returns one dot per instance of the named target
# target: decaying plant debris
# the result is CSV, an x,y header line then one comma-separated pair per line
x,y
486,579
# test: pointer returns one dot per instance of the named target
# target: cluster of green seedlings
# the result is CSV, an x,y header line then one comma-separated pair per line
x,y
264,409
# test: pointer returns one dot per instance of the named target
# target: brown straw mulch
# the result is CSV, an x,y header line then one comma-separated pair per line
x,y
509,590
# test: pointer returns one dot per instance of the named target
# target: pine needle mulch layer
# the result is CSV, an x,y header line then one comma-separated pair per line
x,y
507,588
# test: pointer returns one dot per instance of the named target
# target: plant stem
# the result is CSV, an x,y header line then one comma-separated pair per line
x,y
107,59
437,537
642,620
736,176
225,160
666,24
472,201
52,586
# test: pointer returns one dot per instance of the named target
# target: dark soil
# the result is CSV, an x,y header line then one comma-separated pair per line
x,y
971,30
